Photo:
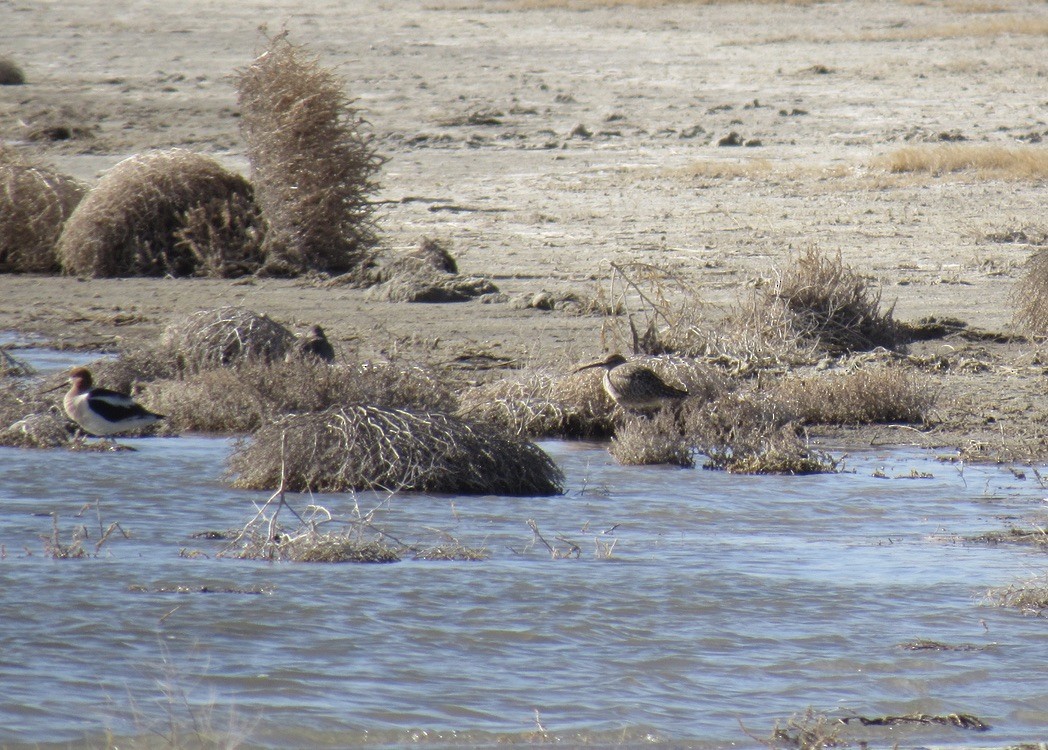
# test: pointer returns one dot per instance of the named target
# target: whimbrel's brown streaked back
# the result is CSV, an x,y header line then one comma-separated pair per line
x,y
633,386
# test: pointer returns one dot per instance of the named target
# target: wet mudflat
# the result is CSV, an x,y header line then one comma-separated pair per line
x,y
680,603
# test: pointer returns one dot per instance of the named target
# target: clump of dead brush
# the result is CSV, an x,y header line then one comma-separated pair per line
x,y
810,731
749,433
226,336
312,160
1029,597
1031,296
368,447
241,399
145,218
35,202
833,305
641,441
880,395
55,548
26,417
265,537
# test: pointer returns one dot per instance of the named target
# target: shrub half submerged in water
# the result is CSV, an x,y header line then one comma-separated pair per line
x,y
373,448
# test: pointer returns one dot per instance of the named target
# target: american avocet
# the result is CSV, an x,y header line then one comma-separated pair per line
x,y
633,386
102,412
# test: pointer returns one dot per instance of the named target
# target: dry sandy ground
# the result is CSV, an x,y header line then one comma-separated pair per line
x,y
547,139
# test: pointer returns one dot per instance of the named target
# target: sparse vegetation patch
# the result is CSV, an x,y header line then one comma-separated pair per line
x,y
1002,162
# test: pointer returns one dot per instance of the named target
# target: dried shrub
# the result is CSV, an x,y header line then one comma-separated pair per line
x,y
880,395
34,204
1031,296
542,405
811,731
242,399
28,418
40,430
1029,597
639,441
143,219
833,305
10,73
223,236
753,434
372,448
226,336
311,160
416,281
1007,162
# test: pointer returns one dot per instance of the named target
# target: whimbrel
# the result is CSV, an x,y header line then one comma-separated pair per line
x,y
633,386
102,412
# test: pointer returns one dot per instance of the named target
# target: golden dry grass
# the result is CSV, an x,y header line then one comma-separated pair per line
x,y
312,161
541,404
1022,162
144,216
880,395
238,400
372,448
35,203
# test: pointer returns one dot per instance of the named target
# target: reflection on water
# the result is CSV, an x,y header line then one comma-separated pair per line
x,y
725,599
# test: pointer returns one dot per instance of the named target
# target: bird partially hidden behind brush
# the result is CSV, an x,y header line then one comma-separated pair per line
x,y
634,386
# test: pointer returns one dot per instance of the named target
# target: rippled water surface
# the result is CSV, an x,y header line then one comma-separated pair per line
x,y
724,599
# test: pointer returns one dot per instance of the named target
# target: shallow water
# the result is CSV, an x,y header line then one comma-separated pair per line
x,y
725,599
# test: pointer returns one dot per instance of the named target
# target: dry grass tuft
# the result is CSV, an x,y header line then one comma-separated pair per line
x,y
311,160
999,162
34,204
26,419
10,73
1029,597
240,400
639,441
373,448
226,336
880,395
833,305
753,434
145,218
543,405
1031,296
39,430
